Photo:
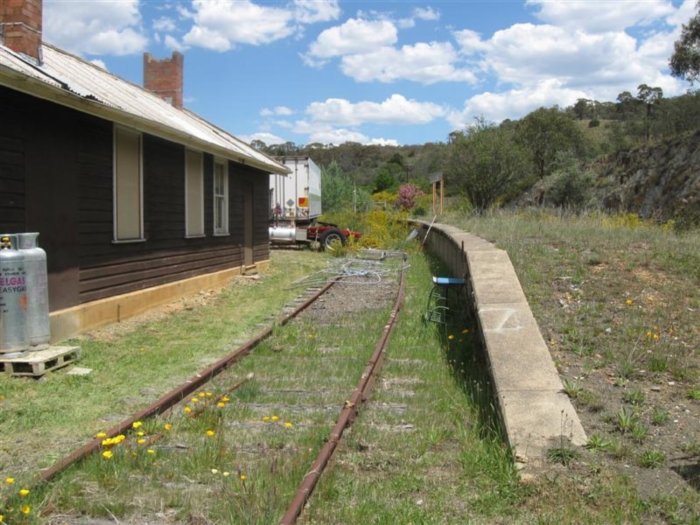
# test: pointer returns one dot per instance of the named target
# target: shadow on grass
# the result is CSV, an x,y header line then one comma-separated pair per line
x,y
465,355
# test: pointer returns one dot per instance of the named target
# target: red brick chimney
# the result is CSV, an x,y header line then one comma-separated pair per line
x,y
20,26
164,77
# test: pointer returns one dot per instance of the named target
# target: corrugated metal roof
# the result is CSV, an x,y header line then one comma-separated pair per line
x,y
73,76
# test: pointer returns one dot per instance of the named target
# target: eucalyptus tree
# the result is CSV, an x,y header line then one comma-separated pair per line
x,y
685,61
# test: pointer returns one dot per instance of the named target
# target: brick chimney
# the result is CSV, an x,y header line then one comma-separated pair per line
x,y
20,26
164,77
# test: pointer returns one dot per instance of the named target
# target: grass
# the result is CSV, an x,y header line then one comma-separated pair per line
x,y
428,448
617,300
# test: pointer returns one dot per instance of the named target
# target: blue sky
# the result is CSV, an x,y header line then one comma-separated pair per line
x,y
378,72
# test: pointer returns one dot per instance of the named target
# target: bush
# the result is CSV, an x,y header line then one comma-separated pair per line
x,y
569,187
408,193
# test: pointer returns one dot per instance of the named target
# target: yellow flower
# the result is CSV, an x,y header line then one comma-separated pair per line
x,y
107,454
140,433
275,418
10,481
201,394
101,435
225,399
25,509
629,302
465,331
187,410
266,418
288,424
450,337
208,394
151,452
221,404
226,474
136,424
118,439
211,433
140,441
2,518
194,400
23,493
214,471
243,477
168,427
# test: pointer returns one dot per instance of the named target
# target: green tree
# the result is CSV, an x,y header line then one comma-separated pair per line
x,y
337,188
685,61
650,97
546,133
388,176
583,108
485,163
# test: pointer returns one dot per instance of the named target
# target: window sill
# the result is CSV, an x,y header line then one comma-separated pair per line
x,y
128,241
222,234
198,236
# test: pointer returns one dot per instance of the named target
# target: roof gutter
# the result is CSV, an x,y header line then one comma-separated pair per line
x,y
40,89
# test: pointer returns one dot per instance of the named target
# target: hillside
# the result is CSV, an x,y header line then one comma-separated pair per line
x,y
661,181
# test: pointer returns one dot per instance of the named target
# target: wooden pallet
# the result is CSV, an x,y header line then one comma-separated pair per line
x,y
39,362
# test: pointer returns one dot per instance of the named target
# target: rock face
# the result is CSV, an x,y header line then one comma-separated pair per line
x,y
659,182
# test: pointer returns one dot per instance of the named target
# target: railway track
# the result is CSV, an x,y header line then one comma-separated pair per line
x,y
245,443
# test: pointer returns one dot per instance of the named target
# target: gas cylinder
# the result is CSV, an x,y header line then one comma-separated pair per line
x,y
13,296
38,326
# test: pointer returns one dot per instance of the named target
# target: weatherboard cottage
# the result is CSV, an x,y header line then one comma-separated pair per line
x,y
137,200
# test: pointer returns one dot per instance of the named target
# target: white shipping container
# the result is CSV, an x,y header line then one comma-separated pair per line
x,y
296,196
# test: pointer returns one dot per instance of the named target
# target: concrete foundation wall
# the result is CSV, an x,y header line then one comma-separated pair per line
x,y
536,414
69,322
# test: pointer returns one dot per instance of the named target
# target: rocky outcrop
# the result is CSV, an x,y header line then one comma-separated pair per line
x,y
659,182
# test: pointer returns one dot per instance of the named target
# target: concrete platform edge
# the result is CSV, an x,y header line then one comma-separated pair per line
x,y
536,414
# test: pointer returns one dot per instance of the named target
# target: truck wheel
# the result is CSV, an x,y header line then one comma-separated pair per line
x,y
332,237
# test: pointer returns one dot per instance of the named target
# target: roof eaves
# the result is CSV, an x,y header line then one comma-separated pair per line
x,y
35,81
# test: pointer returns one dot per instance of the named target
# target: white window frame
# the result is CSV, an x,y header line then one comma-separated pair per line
x,y
116,197
224,197
190,218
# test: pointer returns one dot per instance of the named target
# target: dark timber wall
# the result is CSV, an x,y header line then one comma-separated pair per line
x,y
56,178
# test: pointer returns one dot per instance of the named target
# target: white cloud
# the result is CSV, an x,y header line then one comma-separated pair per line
x,y
221,24
164,23
276,111
685,12
173,43
526,53
352,37
470,42
97,28
598,17
310,11
394,110
515,103
426,63
426,13
419,13
268,138
99,63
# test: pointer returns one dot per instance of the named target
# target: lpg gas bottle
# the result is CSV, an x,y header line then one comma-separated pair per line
x,y
13,296
38,326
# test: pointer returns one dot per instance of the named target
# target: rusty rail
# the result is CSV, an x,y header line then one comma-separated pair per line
x,y
179,393
347,415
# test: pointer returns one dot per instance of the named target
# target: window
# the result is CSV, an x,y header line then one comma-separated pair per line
x,y
220,198
128,186
194,195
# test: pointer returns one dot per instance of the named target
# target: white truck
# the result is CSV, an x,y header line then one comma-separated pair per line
x,y
295,206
